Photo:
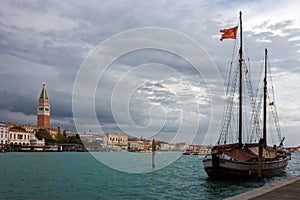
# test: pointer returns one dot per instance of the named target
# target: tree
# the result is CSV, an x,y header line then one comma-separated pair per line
x,y
60,138
74,139
44,133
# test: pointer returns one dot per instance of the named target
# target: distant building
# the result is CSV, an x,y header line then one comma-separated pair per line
x,y
199,147
43,110
3,134
164,146
34,141
87,138
135,144
28,128
172,147
147,145
116,140
182,146
19,137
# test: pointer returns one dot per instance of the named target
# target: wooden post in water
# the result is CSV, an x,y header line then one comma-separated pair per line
x,y
153,153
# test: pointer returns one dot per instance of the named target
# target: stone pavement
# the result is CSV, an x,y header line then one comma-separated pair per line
x,y
285,189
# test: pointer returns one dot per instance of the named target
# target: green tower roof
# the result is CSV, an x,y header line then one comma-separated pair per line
x,y
44,94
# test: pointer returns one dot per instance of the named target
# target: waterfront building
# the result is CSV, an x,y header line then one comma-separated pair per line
x,y
116,140
172,147
140,145
43,110
34,141
28,128
164,146
3,134
147,145
32,129
87,138
135,144
18,136
182,146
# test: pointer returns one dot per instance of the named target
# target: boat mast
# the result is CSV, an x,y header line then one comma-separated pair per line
x,y
241,64
265,101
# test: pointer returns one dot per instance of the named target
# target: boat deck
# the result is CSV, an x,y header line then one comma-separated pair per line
x,y
285,189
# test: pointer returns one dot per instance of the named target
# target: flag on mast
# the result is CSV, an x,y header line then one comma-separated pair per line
x,y
229,33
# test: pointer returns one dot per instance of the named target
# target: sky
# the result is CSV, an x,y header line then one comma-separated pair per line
x,y
152,69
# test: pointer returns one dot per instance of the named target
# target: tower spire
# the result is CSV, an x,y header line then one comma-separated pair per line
x,y
44,94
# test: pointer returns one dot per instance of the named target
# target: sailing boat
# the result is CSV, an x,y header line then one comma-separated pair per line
x,y
253,159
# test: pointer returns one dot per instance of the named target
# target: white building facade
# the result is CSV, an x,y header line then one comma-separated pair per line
x,y
3,134
19,137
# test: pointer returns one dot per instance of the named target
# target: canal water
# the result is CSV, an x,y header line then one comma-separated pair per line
x,y
66,175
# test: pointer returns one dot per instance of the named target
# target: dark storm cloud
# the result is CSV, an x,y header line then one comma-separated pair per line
x,y
48,41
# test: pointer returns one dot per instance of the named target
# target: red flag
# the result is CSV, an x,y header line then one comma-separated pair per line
x,y
271,103
229,33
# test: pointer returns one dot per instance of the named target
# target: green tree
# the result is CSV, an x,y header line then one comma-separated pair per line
x,y
74,139
45,133
60,138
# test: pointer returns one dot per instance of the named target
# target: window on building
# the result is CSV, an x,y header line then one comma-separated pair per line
x,y
14,136
47,109
1,135
20,136
41,108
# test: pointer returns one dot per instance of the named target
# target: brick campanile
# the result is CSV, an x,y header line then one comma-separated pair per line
x,y
43,110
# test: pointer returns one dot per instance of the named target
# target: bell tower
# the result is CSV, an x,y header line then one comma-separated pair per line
x,y
43,110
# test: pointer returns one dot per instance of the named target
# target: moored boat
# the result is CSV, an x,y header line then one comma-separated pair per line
x,y
242,159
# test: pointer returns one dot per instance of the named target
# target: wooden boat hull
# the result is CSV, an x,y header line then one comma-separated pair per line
x,y
229,168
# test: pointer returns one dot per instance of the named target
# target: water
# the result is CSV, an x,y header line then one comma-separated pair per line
x,y
65,175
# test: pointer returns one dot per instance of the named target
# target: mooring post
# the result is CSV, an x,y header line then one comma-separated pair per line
x,y
153,153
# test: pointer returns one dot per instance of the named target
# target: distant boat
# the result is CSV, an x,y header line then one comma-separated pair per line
x,y
250,159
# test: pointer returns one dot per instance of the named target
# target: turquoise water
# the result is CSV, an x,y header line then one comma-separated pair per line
x,y
65,175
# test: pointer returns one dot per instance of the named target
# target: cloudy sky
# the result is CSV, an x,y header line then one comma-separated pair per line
x,y
106,70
